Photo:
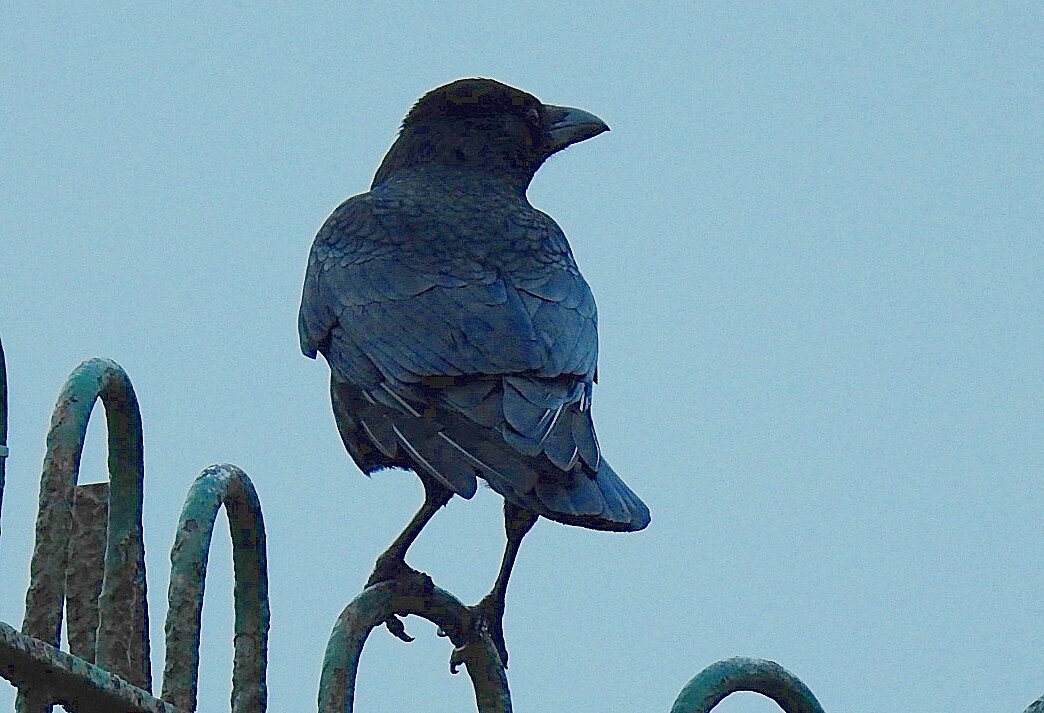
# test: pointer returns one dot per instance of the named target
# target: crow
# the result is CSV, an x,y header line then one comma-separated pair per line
x,y
461,337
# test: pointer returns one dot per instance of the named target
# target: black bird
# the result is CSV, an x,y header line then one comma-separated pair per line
x,y
461,338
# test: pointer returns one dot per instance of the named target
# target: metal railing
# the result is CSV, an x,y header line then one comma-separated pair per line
x,y
89,556
89,559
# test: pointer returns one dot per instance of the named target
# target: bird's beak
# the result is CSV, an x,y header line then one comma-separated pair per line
x,y
566,125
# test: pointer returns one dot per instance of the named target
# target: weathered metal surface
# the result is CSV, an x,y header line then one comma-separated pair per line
x,y
229,486
54,676
122,638
83,578
372,608
123,621
84,531
3,426
723,678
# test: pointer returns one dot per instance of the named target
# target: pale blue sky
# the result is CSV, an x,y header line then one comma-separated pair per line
x,y
814,234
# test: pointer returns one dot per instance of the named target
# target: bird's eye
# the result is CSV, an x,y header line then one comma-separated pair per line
x,y
533,116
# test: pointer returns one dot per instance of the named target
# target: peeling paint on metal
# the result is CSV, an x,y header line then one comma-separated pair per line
x,y
219,485
122,637
58,677
83,579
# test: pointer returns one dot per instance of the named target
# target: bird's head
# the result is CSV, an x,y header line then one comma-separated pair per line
x,y
485,126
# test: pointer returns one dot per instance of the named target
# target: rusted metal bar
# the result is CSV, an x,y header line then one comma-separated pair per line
x,y
372,607
216,486
83,578
53,676
726,677
122,644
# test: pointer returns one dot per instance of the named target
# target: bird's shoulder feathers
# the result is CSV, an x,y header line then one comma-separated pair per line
x,y
387,284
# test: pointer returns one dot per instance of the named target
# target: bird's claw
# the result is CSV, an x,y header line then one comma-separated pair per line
x,y
407,579
460,655
398,630
485,617
391,569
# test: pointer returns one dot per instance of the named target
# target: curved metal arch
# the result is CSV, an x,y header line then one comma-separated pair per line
x,y
117,645
373,607
216,486
728,676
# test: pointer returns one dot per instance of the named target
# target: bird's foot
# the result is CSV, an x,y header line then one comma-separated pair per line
x,y
390,568
485,617
395,570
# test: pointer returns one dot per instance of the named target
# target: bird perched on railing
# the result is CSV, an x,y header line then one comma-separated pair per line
x,y
461,337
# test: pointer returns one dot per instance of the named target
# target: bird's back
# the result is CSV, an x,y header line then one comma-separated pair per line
x,y
462,342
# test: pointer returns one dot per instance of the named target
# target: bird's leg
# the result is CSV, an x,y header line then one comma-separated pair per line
x,y
488,614
391,564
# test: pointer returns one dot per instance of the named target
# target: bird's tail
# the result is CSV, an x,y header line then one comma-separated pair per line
x,y
621,510
454,450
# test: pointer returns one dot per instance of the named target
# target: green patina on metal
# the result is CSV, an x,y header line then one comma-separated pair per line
x,y
108,516
415,596
56,676
45,675
122,636
723,678
229,486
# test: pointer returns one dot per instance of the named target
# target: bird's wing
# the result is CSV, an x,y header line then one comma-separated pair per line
x,y
512,352
412,320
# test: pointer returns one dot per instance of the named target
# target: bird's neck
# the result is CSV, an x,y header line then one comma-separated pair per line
x,y
439,182
453,150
